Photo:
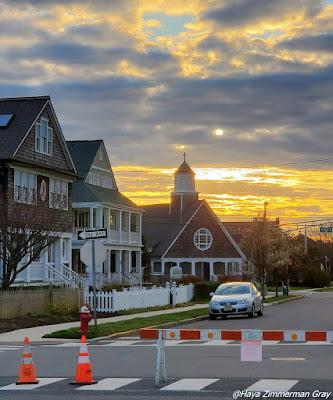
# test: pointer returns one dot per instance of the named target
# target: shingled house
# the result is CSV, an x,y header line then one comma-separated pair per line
x,y
36,176
97,203
187,233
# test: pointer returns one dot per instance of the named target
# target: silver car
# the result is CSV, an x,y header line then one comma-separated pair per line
x,y
236,298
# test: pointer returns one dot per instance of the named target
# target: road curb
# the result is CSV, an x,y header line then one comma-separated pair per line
x,y
169,324
301,296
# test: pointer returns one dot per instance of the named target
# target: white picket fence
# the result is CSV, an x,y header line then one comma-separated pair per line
x,y
140,297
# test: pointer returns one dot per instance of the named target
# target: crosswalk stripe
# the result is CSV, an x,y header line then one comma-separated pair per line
x,y
280,385
120,343
42,382
110,384
190,384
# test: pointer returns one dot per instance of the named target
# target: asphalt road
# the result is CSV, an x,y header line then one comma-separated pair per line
x,y
217,368
313,312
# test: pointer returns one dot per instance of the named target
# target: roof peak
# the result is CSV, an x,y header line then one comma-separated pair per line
x,y
184,168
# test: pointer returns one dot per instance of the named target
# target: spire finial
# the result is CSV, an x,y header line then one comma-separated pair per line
x,y
184,156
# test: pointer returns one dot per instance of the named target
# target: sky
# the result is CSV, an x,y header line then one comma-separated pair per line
x,y
244,87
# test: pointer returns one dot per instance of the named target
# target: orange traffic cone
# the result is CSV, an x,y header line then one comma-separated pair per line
x,y
83,370
27,373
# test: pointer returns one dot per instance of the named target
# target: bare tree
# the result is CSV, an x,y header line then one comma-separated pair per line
x,y
24,235
265,246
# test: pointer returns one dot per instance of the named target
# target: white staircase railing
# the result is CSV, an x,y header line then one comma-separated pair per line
x,y
65,276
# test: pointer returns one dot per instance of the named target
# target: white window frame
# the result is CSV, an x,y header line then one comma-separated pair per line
x,y
44,137
58,194
25,187
203,239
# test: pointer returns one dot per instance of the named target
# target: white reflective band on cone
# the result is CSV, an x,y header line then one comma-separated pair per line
x,y
329,336
172,334
210,334
84,360
294,336
84,348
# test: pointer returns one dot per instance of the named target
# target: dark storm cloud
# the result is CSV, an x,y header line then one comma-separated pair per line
x,y
315,43
67,52
242,12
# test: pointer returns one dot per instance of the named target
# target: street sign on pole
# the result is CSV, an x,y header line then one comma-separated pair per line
x,y
93,253
92,234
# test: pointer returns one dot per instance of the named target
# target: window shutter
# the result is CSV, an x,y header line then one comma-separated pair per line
x,y
37,137
49,140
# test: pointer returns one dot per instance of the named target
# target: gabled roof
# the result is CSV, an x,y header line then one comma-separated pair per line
x,y
83,153
160,228
26,111
83,192
184,168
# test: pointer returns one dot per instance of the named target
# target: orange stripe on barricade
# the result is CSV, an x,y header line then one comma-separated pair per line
x,y
190,334
273,335
147,333
316,336
231,335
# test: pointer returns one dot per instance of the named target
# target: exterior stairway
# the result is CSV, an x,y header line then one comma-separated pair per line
x,y
64,276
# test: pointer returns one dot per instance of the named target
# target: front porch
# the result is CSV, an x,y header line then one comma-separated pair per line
x,y
205,269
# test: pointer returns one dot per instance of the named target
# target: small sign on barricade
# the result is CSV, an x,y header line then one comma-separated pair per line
x,y
251,345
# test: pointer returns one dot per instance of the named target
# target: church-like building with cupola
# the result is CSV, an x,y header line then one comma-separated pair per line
x,y
186,233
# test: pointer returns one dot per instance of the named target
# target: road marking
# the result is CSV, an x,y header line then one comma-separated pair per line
x,y
217,343
42,382
288,358
120,343
110,384
274,385
190,384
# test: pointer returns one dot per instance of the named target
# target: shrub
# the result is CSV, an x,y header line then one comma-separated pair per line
x,y
314,277
202,290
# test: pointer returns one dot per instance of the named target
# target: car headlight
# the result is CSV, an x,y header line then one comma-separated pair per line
x,y
243,303
214,304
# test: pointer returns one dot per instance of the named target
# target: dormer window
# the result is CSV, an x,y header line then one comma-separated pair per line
x,y
43,137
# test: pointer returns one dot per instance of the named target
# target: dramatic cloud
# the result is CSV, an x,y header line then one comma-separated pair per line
x,y
157,78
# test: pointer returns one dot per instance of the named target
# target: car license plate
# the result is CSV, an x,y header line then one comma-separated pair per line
x,y
228,307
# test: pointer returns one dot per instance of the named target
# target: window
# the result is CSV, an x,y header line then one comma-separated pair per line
x,y
157,267
81,219
58,194
134,223
43,137
113,220
25,187
203,239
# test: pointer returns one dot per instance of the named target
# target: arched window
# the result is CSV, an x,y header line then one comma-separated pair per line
x,y
203,239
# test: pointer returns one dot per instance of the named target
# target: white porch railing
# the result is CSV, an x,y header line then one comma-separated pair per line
x,y
63,275
140,298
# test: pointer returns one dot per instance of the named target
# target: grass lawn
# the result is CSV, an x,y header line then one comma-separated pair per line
x,y
272,299
327,289
110,328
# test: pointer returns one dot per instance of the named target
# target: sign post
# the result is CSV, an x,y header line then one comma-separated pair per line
x,y
251,345
89,257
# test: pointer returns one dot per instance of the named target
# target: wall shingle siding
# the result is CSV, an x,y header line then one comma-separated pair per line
x,y
61,220
27,150
184,246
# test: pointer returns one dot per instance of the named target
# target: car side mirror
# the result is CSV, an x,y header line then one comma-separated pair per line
x,y
211,294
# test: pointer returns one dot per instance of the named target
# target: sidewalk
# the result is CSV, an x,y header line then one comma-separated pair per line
x,y
36,333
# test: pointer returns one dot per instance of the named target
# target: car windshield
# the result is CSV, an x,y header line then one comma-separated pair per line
x,y
232,289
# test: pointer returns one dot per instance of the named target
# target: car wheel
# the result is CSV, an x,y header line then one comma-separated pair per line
x,y
212,316
252,314
261,311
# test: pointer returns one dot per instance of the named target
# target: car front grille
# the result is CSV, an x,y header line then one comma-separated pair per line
x,y
223,303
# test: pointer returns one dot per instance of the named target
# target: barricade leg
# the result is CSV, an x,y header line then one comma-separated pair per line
x,y
160,374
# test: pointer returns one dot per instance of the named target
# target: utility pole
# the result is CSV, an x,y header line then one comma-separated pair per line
x,y
305,239
265,210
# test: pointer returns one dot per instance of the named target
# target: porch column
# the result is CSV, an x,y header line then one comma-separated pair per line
x,y
139,265
128,261
193,268
163,267
129,226
99,217
140,228
91,217
120,225
211,269
119,264
107,263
